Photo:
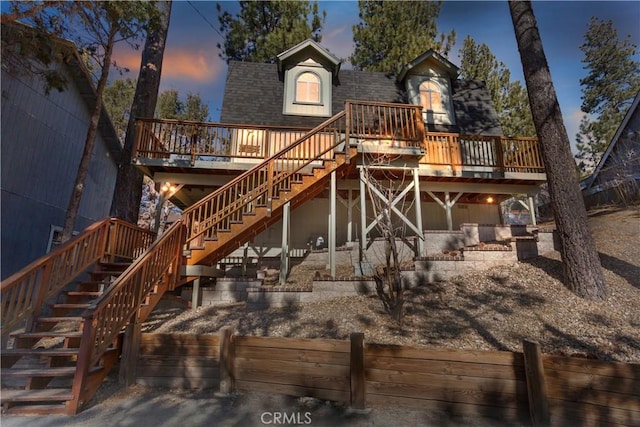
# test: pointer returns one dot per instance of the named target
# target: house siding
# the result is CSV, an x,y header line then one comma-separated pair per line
x,y
42,142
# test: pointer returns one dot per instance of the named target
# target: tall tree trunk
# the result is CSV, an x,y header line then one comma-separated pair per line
x,y
89,143
126,199
582,270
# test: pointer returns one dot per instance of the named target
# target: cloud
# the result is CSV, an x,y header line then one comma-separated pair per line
x,y
334,41
196,66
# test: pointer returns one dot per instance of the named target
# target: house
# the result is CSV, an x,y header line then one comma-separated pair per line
x,y
43,138
307,155
460,165
616,178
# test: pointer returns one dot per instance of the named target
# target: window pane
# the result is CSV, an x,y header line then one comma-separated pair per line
x,y
430,96
308,88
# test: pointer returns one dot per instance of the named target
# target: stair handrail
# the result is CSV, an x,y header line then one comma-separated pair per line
x,y
259,185
24,292
114,309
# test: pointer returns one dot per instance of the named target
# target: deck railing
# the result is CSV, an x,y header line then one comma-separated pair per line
x,y
499,153
369,123
24,293
397,125
186,140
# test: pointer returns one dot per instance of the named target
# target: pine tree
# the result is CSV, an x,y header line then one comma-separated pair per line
x,y
126,199
582,270
117,101
612,81
263,29
509,97
392,33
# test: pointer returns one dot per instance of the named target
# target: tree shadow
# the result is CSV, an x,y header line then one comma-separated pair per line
x,y
628,271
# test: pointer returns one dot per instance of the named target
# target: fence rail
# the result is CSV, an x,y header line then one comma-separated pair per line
x,y
24,293
491,384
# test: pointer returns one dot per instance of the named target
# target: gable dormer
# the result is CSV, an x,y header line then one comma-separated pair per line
x,y
427,80
307,70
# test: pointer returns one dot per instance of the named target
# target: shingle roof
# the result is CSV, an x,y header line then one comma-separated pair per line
x,y
254,95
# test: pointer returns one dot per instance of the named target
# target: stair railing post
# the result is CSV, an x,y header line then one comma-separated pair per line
x,y
42,287
82,365
270,171
130,349
347,130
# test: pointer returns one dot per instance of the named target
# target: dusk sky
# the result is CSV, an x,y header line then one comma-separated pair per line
x,y
192,64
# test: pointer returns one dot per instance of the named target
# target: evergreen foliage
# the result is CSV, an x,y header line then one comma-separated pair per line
x,y
263,29
509,97
117,101
611,83
393,33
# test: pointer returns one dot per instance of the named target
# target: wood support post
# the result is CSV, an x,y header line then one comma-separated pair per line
x,y
532,211
195,293
332,226
227,355
130,350
536,384
284,255
358,391
363,214
417,202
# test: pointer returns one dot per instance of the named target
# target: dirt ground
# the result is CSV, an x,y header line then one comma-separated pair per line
x,y
142,407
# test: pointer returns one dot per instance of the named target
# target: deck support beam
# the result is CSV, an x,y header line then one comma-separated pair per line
x,y
332,225
418,203
446,205
195,293
363,215
532,211
350,203
286,235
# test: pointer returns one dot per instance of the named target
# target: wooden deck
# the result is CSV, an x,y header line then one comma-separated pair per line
x,y
193,147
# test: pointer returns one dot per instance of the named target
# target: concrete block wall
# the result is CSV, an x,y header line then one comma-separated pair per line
x,y
322,289
225,291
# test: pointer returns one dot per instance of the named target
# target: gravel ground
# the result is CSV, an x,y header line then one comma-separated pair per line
x,y
490,310
494,309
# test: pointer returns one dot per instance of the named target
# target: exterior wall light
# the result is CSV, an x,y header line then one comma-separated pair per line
x,y
489,199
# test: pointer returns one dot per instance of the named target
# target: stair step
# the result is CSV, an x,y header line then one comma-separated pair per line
x,y
45,395
59,319
106,272
44,372
71,305
49,334
41,352
59,409
115,264
85,293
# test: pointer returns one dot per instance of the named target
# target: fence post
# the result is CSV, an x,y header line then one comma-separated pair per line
x,y
358,391
227,355
536,384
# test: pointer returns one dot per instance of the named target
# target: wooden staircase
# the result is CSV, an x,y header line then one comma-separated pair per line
x,y
41,364
303,188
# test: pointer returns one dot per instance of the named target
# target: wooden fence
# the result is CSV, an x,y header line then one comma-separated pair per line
x,y
513,387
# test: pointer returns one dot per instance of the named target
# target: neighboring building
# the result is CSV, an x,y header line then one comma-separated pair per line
x,y
43,138
461,168
616,178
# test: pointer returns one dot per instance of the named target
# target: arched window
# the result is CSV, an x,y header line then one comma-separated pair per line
x,y
431,96
308,88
